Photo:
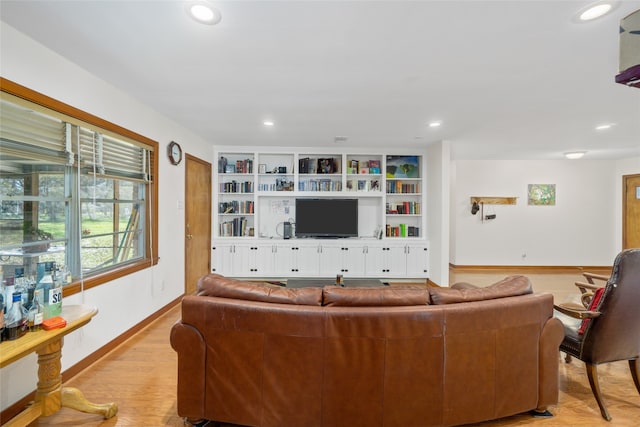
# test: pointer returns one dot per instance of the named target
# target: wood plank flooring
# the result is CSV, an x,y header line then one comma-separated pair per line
x,y
140,375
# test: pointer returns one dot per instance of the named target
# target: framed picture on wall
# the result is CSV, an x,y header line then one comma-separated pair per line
x,y
541,194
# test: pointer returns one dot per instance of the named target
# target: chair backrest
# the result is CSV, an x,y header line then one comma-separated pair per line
x,y
615,334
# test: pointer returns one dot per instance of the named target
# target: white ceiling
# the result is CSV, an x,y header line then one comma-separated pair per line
x,y
508,79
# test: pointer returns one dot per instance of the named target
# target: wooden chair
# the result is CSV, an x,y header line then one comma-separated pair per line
x,y
587,289
610,327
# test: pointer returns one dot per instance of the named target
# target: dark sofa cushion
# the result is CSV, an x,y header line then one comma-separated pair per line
x,y
219,286
338,296
508,287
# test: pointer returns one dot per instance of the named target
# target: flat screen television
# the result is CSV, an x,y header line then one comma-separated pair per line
x,y
326,218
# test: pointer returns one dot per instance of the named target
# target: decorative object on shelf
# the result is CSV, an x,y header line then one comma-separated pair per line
x,y
541,194
174,152
403,167
222,164
262,168
303,165
374,166
326,166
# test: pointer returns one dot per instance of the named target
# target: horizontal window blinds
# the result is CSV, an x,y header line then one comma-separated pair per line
x,y
32,134
109,156
29,133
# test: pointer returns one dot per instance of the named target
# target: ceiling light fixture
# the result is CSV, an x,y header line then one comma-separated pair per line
x,y
435,124
573,155
604,126
594,11
203,12
268,123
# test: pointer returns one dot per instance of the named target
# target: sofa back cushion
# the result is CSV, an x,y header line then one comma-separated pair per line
x,y
216,285
338,296
508,287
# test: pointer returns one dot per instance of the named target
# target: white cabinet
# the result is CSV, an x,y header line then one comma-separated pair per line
x,y
347,259
386,261
255,260
317,258
257,190
299,260
417,260
223,259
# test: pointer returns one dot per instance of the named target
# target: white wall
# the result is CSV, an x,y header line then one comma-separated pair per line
x,y
124,302
582,229
437,211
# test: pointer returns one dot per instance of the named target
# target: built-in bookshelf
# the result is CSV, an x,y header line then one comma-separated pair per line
x,y
364,173
256,190
404,198
320,172
236,189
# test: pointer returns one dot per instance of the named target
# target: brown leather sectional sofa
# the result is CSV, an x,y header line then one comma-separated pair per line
x,y
262,355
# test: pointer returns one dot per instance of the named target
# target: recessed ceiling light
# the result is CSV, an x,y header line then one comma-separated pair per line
x,y
435,124
573,155
268,123
340,139
595,10
203,12
604,126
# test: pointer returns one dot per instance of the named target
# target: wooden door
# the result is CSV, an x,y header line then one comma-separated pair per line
x,y
631,212
197,252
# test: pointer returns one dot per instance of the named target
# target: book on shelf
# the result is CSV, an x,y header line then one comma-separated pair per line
x,y
236,207
303,165
399,187
236,227
402,230
236,187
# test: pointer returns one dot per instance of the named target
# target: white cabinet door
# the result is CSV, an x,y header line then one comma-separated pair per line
x,y
347,259
223,259
386,261
353,260
417,260
297,260
254,260
285,259
330,259
306,260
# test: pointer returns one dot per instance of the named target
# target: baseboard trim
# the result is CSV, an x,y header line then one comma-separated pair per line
x,y
13,410
540,269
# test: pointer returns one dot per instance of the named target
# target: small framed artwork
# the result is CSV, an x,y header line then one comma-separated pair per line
x,y
326,166
541,194
262,168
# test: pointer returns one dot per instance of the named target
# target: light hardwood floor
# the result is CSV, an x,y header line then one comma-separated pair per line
x,y
140,375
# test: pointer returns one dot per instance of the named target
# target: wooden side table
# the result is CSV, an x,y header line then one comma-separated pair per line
x,y
50,395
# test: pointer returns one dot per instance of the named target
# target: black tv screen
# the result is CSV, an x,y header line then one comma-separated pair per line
x,y
326,218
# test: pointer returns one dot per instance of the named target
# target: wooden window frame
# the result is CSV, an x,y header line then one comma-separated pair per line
x,y
150,257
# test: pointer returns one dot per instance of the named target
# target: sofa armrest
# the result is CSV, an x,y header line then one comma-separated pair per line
x,y
551,336
191,348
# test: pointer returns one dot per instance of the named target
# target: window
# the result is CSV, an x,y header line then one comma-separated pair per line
x,y
74,189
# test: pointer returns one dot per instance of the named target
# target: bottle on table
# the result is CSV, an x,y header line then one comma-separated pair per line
x,y
36,313
55,295
14,320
